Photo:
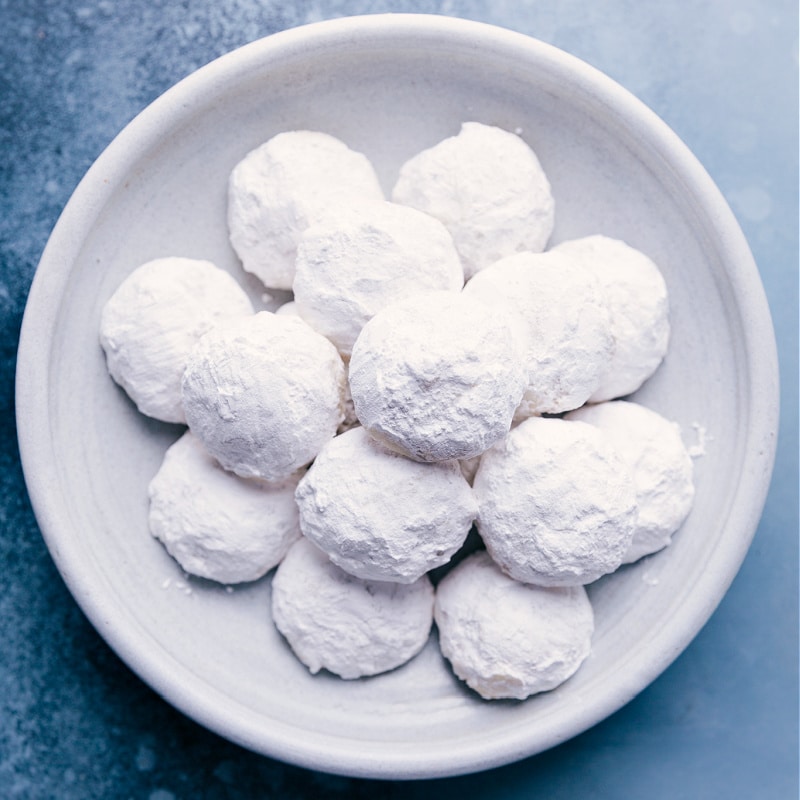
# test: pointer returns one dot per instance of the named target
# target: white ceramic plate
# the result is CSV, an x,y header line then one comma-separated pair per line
x,y
388,86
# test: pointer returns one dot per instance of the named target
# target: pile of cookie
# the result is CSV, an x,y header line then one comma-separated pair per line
x,y
437,368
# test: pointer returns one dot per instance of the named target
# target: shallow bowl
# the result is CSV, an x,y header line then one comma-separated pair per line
x,y
388,86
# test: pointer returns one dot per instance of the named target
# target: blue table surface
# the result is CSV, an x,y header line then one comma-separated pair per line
x,y
721,722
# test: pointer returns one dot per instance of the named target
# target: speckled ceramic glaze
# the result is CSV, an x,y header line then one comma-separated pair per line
x,y
388,86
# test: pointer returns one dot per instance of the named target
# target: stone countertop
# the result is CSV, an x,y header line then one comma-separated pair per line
x,y
720,722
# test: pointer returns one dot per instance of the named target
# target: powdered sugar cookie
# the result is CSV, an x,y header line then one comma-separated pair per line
x,y
380,515
566,327
277,190
152,321
437,376
638,309
362,259
264,395
352,627
557,504
508,639
488,188
215,524
653,450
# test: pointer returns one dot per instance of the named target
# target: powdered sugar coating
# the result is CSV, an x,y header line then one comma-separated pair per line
x,y
362,259
638,305
277,190
566,328
381,516
288,309
264,395
350,419
508,639
437,376
152,321
488,188
662,469
352,627
215,524
557,504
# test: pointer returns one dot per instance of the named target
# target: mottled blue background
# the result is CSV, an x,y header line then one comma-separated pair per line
x,y
720,723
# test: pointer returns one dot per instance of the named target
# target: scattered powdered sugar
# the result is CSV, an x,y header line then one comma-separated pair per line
x,y
178,585
649,579
698,449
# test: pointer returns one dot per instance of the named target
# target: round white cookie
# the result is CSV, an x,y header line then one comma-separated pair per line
x,y
566,328
361,259
662,469
277,190
335,621
215,524
437,376
264,394
488,188
381,516
638,305
508,639
557,504
152,321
